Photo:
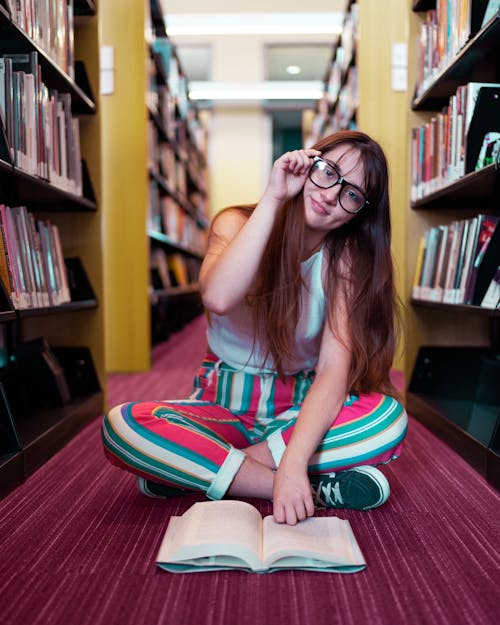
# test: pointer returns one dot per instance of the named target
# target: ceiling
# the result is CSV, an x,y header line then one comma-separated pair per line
x,y
311,53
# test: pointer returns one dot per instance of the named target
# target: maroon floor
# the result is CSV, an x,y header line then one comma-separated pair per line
x,y
78,543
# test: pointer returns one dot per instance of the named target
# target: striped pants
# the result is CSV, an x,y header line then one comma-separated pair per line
x,y
197,443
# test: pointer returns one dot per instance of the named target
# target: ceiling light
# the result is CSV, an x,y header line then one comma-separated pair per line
x,y
185,24
270,90
293,69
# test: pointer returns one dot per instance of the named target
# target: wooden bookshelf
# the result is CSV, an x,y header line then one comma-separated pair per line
x,y
453,349
43,430
132,173
329,114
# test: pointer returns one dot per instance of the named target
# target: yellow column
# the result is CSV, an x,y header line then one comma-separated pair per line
x,y
125,184
383,112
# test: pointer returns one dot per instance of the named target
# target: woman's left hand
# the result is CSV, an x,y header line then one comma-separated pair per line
x,y
292,495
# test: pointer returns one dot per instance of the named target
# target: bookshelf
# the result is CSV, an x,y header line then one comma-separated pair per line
x,y
177,211
337,109
154,170
52,383
454,348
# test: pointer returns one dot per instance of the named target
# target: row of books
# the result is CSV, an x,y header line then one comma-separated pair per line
x,y
439,147
50,24
166,215
344,53
451,258
32,266
444,32
175,269
42,136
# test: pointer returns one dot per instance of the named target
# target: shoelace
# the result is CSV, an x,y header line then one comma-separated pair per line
x,y
328,495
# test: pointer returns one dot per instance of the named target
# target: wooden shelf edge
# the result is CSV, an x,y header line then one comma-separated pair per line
x,y
87,304
168,241
467,183
462,308
484,460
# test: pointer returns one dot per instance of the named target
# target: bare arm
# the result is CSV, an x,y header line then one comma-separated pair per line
x,y
235,251
292,492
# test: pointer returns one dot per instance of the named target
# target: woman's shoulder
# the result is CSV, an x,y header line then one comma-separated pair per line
x,y
227,222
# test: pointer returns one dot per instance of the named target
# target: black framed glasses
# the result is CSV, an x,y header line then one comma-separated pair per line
x,y
325,176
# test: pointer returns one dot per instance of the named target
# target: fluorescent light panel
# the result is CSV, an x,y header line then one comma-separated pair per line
x,y
186,24
247,91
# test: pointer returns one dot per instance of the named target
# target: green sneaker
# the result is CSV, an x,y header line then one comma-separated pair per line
x,y
359,488
156,490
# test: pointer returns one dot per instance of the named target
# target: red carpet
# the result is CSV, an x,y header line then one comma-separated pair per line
x,y
78,542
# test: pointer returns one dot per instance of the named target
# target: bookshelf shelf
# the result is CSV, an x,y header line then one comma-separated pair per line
x,y
27,313
481,186
470,64
458,308
23,188
167,241
14,39
52,357
455,348
174,291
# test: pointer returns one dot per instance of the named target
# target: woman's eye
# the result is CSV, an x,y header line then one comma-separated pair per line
x,y
352,193
329,172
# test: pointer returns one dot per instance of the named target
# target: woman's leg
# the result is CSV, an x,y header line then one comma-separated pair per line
x,y
190,444
369,430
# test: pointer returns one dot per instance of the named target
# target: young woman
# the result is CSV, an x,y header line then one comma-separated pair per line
x,y
293,402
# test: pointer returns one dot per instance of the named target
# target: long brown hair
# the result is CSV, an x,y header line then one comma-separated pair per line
x,y
359,266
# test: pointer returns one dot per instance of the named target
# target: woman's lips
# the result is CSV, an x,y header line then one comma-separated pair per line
x,y
318,208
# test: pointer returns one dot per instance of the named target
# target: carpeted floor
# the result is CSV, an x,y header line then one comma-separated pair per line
x,y
78,542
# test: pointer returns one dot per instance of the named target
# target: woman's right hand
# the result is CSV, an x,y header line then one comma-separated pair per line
x,y
289,174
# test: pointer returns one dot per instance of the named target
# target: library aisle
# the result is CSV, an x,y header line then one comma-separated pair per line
x,y
85,538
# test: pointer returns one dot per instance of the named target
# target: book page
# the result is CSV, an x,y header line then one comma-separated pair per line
x,y
327,540
214,532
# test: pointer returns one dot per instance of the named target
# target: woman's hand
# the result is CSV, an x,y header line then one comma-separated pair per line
x,y
289,174
292,495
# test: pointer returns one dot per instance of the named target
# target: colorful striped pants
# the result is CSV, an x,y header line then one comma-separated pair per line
x,y
197,443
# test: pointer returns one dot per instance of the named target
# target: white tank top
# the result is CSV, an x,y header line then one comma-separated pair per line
x,y
230,336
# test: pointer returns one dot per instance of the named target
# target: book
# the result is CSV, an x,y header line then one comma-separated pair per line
x,y
227,534
491,298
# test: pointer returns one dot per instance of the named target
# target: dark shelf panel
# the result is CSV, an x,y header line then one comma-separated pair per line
x,y
458,308
84,7
470,64
11,471
423,5
18,187
478,189
26,313
433,413
175,291
13,39
7,315
164,239
44,433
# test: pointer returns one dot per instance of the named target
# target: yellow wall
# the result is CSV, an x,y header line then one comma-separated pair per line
x,y
383,113
124,153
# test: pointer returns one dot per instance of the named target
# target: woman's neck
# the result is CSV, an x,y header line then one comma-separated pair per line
x,y
313,241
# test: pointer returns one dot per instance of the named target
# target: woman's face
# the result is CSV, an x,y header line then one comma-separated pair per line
x,y
323,211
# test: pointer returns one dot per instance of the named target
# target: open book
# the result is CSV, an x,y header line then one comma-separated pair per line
x,y
229,534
